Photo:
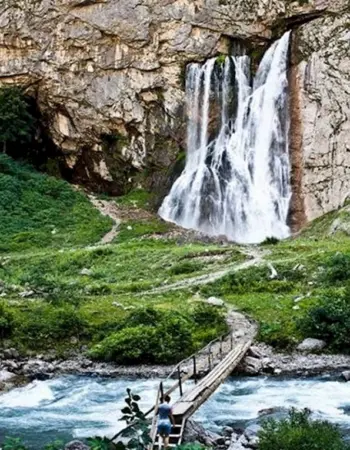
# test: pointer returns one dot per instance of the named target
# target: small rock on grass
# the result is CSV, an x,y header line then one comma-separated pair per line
x,y
214,301
86,272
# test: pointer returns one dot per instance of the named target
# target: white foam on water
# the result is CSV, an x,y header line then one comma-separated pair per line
x,y
29,396
236,183
242,400
81,407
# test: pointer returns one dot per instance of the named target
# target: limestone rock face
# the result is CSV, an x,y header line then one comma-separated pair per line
x,y
108,76
323,47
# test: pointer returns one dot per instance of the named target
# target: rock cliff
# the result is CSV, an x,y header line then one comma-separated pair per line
x,y
108,76
323,50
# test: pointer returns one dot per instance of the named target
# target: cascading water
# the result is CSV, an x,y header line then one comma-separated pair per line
x,y
236,181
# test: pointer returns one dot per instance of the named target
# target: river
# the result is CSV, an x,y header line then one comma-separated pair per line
x,y
77,407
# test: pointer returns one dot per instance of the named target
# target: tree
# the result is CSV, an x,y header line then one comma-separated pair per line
x,y
16,121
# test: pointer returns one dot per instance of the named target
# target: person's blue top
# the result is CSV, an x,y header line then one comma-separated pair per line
x,y
164,410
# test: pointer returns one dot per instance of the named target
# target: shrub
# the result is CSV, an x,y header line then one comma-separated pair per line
x,y
337,268
299,432
185,267
13,444
330,320
207,315
166,342
144,316
274,333
130,345
6,321
43,324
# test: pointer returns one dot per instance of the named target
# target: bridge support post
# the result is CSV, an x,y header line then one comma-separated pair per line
x,y
180,381
161,391
195,369
231,339
221,348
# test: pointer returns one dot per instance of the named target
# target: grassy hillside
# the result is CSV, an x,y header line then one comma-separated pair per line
x,y
38,211
60,293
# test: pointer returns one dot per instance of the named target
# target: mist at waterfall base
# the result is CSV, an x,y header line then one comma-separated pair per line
x,y
236,181
78,407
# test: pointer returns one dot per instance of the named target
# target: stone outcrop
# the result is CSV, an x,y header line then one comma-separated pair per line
x,y
323,53
108,76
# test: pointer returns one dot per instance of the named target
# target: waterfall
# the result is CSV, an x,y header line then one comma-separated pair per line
x,y
236,181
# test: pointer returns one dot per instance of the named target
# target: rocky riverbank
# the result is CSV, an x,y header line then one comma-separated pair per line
x,y
263,359
260,360
228,439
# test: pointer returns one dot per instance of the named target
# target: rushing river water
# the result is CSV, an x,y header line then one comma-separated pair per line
x,y
77,407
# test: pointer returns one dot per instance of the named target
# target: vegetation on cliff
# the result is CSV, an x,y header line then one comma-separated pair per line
x,y
41,212
16,120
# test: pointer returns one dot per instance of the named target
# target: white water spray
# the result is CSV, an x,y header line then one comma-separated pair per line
x,y
236,181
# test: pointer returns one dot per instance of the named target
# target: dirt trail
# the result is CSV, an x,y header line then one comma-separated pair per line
x,y
241,330
109,209
254,253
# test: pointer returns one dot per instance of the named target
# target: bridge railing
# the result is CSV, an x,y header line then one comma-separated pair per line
x,y
196,364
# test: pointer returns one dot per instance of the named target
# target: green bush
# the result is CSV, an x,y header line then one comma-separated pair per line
x,y
44,324
206,315
130,345
337,269
330,320
276,335
186,267
166,342
144,316
148,335
6,321
299,432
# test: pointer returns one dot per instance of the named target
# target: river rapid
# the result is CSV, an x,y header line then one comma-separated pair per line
x,y
77,407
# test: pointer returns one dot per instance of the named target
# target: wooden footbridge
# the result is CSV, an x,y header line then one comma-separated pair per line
x,y
208,369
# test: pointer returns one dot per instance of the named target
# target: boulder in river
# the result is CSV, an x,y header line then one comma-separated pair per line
x,y
5,375
252,366
194,432
310,345
346,375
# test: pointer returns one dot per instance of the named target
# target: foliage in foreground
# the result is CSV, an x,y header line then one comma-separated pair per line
x,y
299,432
38,211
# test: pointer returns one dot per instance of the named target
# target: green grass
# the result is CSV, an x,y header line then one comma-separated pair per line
x,y
47,229
38,211
138,198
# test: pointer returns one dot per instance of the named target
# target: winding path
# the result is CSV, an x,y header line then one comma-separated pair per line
x,y
254,253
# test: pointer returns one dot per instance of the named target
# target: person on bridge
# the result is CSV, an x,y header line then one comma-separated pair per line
x,y
165,420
